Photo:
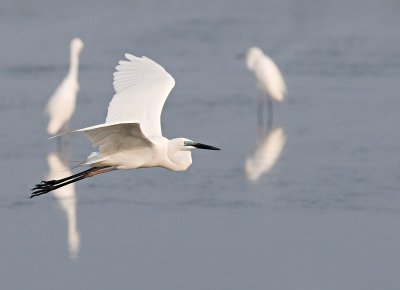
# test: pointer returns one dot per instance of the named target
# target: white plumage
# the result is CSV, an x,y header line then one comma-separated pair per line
x,y
133,126
269,78
142,87
131,137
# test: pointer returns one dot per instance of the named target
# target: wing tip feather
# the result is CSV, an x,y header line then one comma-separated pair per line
x,y
131,57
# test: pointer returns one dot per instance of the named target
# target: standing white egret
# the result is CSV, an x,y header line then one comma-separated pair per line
x,y
61,105
269,80
66,199
267,153
131,136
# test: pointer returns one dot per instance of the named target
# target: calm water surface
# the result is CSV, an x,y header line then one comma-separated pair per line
x,y
325,216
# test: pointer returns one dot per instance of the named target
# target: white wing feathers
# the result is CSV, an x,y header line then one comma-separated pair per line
x,y
142,87
115,137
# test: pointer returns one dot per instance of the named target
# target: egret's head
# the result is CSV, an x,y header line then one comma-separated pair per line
x,y
190,145
252,54
179,152
76,45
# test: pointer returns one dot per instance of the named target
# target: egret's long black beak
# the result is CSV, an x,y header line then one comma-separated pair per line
x,y
204,146
200,145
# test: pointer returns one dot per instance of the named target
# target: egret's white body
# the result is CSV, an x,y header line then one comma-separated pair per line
x,y
267,153
131,137
61,105
124,146
66,199
269,78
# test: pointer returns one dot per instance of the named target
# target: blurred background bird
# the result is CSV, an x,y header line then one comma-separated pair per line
x,y
270,82
61,104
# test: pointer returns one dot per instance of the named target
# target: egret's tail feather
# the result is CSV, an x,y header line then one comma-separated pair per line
x,y
94,157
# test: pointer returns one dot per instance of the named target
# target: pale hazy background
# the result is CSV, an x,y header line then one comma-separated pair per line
x,y
326,216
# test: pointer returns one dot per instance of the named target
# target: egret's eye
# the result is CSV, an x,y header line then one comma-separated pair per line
x,y
188,143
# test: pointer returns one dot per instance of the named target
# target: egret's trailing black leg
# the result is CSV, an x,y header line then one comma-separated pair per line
x,y
58,181
47,186
43,190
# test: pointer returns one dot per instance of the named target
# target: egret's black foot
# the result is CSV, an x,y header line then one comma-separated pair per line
x,y
39,192
48,182
42,188
45,184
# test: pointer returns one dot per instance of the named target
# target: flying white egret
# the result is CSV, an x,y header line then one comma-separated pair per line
x,y
267,153
66,199
61,105
269,80
131,136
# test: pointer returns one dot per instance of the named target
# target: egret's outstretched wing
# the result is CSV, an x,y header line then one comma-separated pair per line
x,y
115,137
141,87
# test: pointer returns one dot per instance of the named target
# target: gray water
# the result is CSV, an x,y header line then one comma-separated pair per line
x,y
326,216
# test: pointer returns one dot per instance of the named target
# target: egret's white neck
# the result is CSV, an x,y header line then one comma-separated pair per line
x,y
180,157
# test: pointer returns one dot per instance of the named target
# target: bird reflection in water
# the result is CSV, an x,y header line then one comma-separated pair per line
x,y
266,154
66,199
